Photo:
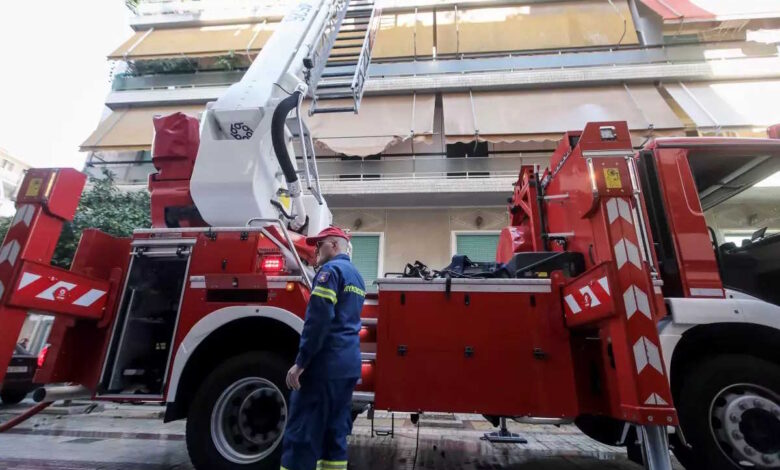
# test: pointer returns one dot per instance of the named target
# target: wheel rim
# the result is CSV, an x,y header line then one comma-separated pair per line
x,y
745,422
247,423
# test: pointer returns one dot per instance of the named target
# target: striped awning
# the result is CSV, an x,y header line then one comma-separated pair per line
x,y
131,128
195,42
541,115
677,11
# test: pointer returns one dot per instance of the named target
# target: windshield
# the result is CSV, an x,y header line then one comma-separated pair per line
x,y
735,220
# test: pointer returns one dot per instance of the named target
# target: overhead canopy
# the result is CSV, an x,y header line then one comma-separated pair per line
x,y
383,121
713,10
131,129
729,104
528,27
195,42
539,115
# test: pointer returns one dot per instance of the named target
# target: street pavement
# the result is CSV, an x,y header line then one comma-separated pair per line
x,y
133,437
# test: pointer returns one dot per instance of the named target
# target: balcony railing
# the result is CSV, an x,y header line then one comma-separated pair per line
x,y
557,60
390,167
185,80
397,167
178,7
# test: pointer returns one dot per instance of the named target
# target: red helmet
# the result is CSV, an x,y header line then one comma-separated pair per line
x,y
331,231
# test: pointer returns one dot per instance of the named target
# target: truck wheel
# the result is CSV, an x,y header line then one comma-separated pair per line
x,y
729,410
239,413
12,397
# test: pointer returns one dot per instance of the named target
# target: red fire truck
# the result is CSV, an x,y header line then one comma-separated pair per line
x,y
611,304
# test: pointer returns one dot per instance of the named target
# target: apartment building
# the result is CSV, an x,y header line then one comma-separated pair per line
x,y
11,172
460,95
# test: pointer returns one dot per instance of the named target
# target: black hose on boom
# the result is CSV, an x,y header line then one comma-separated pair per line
x,y
277,135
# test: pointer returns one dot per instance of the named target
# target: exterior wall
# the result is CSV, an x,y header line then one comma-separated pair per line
x,y
11,172
419,234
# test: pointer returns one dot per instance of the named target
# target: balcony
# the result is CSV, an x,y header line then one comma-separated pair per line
x,y
723,61
424,166
124,82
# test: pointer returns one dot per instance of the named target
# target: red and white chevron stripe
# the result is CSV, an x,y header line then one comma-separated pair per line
x,y
41,287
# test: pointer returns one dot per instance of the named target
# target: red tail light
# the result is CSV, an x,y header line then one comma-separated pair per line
x,y
42,356
272,264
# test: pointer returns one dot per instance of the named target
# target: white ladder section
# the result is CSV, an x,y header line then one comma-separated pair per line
x,y
336,84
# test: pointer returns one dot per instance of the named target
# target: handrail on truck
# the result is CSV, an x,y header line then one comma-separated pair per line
x,y
248,228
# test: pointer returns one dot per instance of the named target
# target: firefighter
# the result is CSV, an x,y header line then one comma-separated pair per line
x,y
328,364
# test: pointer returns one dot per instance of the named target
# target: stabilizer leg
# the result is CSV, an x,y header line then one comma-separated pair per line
x,y
503,436
655,447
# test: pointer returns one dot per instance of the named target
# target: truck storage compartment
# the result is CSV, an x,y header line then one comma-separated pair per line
x,y
140,349
493,346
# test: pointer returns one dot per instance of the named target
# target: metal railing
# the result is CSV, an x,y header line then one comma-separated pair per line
x,y
503,62
248,228
390,167
125,82
434,167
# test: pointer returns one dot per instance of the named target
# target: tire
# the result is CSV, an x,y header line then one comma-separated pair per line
x,y
12,397
244,397
683,454
603,429
730,403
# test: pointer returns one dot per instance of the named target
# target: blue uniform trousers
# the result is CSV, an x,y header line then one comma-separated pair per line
x,y
319,421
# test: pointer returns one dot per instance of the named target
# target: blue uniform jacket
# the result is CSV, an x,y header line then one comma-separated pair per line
x,y
330,341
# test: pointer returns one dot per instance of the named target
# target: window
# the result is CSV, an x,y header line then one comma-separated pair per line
x,y
478,246
473,149
362,175
367,257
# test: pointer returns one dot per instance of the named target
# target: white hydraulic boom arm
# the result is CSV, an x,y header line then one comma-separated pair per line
x,y
246,165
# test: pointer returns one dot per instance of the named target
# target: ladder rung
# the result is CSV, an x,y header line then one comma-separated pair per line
x,y
355,38
338,74
340,63
346,46
362,31
329,86
334,96
358,14
334,110
351,55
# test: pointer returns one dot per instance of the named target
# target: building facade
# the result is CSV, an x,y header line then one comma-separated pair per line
x,y
11,173
460,95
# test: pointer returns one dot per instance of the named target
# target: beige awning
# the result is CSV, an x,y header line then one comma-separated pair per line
x,y
383,121
729,104
131,129
541,115
195,42
557,25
